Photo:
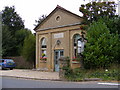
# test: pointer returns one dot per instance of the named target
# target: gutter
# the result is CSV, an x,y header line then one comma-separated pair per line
x,y
58,27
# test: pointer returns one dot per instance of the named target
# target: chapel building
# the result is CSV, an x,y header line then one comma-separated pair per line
x,y
57,35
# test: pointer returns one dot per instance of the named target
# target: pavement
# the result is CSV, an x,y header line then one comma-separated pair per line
x,y
30,74
38,75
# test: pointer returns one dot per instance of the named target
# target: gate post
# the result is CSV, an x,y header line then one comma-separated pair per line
x,y
63,62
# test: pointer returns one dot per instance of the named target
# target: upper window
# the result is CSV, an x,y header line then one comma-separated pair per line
x,y
43,43
75,44
43,48
78,45
76,37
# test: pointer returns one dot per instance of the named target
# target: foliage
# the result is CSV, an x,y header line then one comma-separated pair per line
x,y
20,35
43,55
111,73
8,42
28,51
66,68
107,75
92,11
41,18
102,47
12,45
11,22
12,19
113,24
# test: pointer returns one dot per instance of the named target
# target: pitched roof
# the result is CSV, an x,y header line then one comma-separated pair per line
x,y
57,7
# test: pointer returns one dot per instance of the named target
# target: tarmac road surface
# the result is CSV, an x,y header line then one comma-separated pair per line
x,y
8,82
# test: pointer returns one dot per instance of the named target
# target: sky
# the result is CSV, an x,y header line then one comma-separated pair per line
x,y
31,10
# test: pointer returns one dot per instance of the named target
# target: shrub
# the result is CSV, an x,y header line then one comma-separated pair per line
x,y
28,51
102,47
67,68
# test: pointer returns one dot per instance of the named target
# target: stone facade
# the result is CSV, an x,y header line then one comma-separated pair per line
x,y
54,38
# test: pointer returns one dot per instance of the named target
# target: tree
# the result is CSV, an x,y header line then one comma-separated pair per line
x,y
102,48
20,36
41,18
92,11
113,24
10,18
28,51
11,22
8,42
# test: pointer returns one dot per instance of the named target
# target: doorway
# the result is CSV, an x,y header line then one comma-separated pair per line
x,y
57,55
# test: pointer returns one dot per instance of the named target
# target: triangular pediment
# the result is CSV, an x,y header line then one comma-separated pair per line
x,y
57,18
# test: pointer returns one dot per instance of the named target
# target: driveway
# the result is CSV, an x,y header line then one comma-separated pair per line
x,y
30,74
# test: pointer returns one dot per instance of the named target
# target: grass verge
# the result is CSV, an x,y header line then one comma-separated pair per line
x,y
110,74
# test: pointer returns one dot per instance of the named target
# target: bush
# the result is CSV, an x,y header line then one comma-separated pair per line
x,y
102,47
67,68
28,51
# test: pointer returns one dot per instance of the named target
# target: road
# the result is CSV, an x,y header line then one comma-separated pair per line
x,y
8,82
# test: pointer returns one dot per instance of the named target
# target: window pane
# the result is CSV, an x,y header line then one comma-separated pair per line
x,y
76,37
43,41
61,53
75,43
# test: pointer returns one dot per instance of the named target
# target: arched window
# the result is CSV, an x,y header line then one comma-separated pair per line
x,y
43,47
43,43
76,37
78,44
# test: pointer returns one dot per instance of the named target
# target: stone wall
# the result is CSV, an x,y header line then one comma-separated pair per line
x,y
63,62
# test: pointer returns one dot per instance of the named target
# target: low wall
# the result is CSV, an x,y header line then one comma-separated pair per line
x,y
63,62
21,63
